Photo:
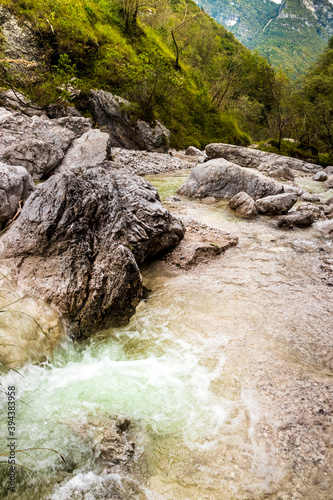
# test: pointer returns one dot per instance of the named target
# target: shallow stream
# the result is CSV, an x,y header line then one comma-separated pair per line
x,y
225,373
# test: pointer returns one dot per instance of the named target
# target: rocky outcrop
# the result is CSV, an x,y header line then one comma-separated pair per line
x,y
80,239
254,158
244,205
111,114
222,179
16,185
38,143
302,218
147,163
277,204
90,149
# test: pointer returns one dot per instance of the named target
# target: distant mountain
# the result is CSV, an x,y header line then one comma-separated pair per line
x,y
292,33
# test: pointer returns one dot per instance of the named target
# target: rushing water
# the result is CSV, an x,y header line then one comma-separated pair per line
x,y
225,373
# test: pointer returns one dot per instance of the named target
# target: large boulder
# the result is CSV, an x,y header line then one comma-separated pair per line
x,y
222,179
244,205
277,204
254,158
80,239
90,149
16,184
112,114
38,143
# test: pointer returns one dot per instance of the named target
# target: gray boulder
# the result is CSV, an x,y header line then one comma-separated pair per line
x,y
244,205
254,158
80,239
111,114
222,179
16,185
329,170
329,182
317,210
90,149
277,204
310,197
193,151
320,176
38,143
303,218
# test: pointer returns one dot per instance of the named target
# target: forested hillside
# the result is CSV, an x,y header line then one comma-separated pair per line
x,y
291,34
176,64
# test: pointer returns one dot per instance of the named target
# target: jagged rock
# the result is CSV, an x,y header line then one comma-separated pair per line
x,y
254,158
61,110
18,102
320,176
111,114
302,218
277,204
310,197
16,185
222,179
244,205
79,240
90,149
329,182
193,151
37,143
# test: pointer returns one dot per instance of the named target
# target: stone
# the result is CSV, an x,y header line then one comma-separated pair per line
x,y
112,114
193,151
253,158
38,143
18,102
310,197
329,201
315,209
80,239
146,163
90,149
244,205
16,184
277,204
329,182
288,188
61,110
274,169
320,176
302,218
325,227
329,170
222,179
328,210
209,201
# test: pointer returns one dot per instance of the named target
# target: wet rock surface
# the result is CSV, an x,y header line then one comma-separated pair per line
x,y
79,240
222,179
277,204
302,218
254,158
244,205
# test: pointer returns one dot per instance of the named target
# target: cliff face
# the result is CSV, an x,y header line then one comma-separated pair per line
x,y
292,33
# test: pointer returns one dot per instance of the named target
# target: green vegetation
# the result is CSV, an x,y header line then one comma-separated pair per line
x,y
289,35
214,92
176,64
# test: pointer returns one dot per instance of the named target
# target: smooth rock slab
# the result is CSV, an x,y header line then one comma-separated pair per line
x,y
16,184
222,179
276,205
244,205
80,239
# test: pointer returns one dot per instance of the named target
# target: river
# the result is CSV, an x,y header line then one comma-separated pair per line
x,y
225,373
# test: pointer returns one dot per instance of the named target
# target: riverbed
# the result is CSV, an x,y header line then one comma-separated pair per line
x,y
225,373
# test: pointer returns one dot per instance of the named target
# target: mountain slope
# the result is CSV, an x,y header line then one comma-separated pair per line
x,y
291,34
